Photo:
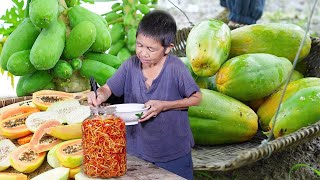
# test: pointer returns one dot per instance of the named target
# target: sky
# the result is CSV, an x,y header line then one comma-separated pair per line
x,y
6,89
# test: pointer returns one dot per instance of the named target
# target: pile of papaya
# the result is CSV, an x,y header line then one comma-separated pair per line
x,y
60,45
242,73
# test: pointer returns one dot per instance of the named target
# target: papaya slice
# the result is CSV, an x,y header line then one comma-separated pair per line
x,y
12,176
65,132
19,110
60,173
74,171
25,139
6,147
52,158
14,126
44,98
38,118
25,160
69,153
41,141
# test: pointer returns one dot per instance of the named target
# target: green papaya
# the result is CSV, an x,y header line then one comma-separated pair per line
x,y
252,76
220,119
143,8
268,108
103,40
123,54
62,69
36,81
22,38
19,90
49,46
76,64
112,16
107,59
207,82
101,72
208,46
298,111
116,7
116,47
71,3
296,75
117,32
144,1
76,83
131,39
282,40
43,12
19,63
80,39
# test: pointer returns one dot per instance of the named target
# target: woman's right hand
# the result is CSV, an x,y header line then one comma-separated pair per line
x,y
93,100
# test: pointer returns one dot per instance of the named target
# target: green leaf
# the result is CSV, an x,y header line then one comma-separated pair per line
x,y
12,18
139,115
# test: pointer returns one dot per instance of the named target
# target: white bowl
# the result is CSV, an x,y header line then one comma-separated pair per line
x,y
129,112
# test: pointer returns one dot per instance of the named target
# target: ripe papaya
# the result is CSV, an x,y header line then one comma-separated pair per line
x,y
65,132
36,81
41,141
252,76
220,119
81,38
298,111
281,40
49,46
19,63
208,46
117,32
69,153
24,160
267,110
62,69
103,40
107,59
22,38
43,12
101,72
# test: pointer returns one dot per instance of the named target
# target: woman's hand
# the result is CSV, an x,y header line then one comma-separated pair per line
x,y
156,107
103,93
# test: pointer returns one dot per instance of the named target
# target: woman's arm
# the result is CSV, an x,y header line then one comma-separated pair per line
x,y
156,106
103,93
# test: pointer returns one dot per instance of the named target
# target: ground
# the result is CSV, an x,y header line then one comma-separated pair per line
x,y
285,11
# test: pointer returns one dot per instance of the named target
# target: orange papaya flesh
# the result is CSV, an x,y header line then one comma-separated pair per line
x,y
19,110
65,132
41,141
44,98
25,139
69,153
13,176
24,160
15,127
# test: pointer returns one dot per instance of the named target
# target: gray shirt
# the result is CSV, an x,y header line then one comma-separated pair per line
x,y
167,136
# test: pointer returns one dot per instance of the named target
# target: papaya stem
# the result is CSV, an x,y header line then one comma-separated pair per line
x,y
26,13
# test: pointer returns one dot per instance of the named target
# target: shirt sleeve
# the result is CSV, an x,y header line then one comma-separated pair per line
x,y
117,81
187,85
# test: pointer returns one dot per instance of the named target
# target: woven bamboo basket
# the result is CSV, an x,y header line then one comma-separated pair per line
x,y
233,156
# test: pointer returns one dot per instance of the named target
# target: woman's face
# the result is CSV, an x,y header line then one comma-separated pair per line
x,y
150,51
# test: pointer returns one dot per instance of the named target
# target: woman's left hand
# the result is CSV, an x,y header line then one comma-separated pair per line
x,y
156,106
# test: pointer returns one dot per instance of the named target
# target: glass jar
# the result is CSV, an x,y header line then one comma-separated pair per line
x,y
104,144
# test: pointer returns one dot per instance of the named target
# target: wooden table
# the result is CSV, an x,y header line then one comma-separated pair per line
x,y
137,169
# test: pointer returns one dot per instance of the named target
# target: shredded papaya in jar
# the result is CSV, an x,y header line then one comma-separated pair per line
x,y
104,147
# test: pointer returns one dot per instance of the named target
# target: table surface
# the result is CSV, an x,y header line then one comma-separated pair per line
x,y
137,169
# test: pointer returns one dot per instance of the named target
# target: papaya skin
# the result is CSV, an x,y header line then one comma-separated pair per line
x,y
212,126
65,132
69,160
22,38
42,13
22,166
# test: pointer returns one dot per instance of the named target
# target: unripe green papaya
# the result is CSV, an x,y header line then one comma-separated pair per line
x,y
107,59
252,76
117,32
131,39
144,1
116,47
43,12
36,81
101,72
220,119
123,54
116,7
19,90
268,108
19,63
76,64
282,40
62,69
102,42
71,3
81,38
49,46
206,82
208,46
300,110
112,16
22,38
296,75
144,9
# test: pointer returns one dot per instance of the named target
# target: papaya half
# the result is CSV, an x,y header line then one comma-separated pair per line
x,y
69,153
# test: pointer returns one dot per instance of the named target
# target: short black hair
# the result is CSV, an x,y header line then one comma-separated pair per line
x,y
159,25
